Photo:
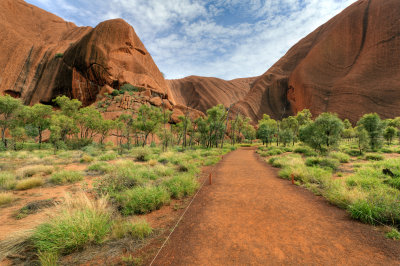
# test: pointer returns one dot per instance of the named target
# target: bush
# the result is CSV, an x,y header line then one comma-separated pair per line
x,y
181,186
100,167
342,157
139,229
78,144
373,157
305,151
77,223
108,157
86,159
353,152
7,180
323,162
65,176
34,170
6,198
59,55
29,183
142,154
140,200
115,93
393,234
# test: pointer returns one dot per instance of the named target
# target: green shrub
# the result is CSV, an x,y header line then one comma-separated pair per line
x,y
373,157
86,159
78,223
140,200
393,234
142,154
32,170
7,180
138,230
29,183
108,157
181,186
100,167
115,93
353,152
305,151
59,55
65,176
342,157
394,182
323,162
387,150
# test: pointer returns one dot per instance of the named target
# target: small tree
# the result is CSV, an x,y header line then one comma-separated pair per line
x,y
39,118
267,127
148,119
362,139
105,128
389,134
18,135
68,107
372,123
8,109
323,133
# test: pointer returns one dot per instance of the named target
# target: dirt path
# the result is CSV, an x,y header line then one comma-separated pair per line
x,y
248,216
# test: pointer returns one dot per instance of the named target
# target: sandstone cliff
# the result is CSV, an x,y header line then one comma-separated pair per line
x,y
42,56
350,65
202,93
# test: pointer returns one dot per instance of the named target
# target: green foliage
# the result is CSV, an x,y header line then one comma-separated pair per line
x,y
393,234
181,186
59,55
390,133
75,227
100,167
7,180
372,123
324,133
306,151
9,108
65,176
342,157
108,156
373,157
323,162
140,200
139,229
129,88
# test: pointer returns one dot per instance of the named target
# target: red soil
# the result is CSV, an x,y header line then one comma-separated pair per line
x,y
249,216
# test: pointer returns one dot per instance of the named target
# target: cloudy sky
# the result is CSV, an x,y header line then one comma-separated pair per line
x,y
221,38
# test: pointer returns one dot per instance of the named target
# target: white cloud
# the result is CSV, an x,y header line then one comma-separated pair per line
x,y
222,38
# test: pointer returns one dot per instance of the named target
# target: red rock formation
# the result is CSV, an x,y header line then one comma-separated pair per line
x,y
202,93
350,65
42,56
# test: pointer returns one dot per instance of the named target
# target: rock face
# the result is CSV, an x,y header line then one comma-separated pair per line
x,y
42,56
202,93
350,65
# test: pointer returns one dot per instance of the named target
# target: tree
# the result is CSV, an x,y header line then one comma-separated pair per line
x,y
105,128
363,139
89,122
39,118
215,120
8,109
61,126
389,134
304,117
249,132
18,135
267,127
323,133
68,107
372,123
290,128
148,119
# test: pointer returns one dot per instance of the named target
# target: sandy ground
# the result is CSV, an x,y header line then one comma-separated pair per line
x,y
249,216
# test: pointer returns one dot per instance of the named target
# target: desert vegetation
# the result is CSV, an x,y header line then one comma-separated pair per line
x,y
355,168
108,187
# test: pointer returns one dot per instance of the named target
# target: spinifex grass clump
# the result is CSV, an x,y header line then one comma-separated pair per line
x,y
65,176
7,180
6,198
140,200
323,162
342,157
32,170
29,183
181,186
79,221
139,229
